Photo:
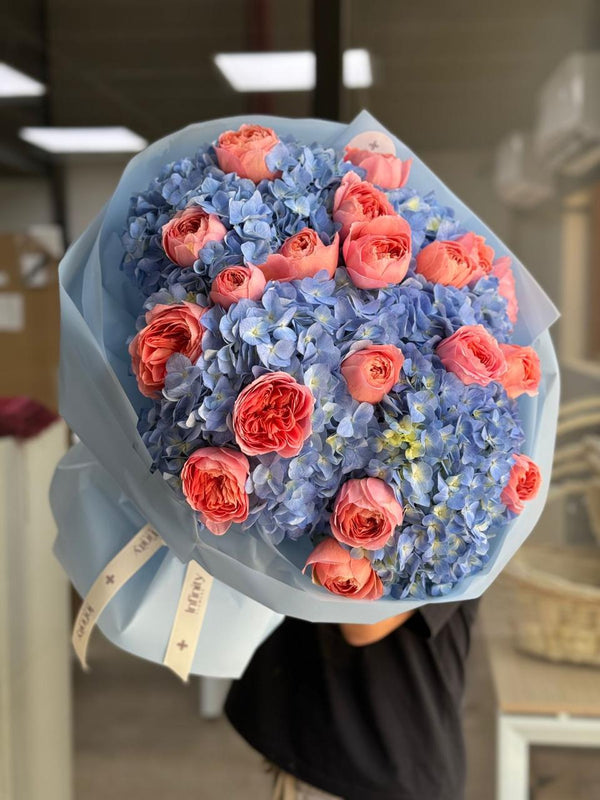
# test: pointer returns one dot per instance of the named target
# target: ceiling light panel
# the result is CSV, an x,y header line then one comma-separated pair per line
x,y
14,83
293,71
84,140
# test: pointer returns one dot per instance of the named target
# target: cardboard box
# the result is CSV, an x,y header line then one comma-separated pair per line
x,y
29,318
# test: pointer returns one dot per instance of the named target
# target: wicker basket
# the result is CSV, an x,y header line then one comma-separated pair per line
x,y
555,602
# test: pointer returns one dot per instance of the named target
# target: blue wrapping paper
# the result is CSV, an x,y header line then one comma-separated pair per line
x,y
103,491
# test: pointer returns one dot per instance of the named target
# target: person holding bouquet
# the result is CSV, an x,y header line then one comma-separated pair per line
x,y
302,364
361,712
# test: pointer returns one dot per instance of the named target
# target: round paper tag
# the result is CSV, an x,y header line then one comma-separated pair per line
x,y
377,141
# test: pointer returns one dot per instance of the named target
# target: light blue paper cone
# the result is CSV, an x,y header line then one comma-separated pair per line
x,y
108,477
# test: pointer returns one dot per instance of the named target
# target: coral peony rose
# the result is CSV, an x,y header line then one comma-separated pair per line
x,y
473,355
273,415
366,513
523,484
243,151
370,372
188,232
236,283
506,286
523,371
447,262
302,256
383,169
358,201
170,329
480,253
213,480
334,568
377,253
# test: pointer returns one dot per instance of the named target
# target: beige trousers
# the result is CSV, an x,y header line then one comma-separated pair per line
x,y
287,787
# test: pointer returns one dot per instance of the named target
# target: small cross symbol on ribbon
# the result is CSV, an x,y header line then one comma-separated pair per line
x,y
182,645
374,145
110,579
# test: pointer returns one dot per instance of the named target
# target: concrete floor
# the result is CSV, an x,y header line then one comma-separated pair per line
x,y
139,737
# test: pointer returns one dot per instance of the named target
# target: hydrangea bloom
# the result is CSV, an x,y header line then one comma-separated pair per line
x,y
445,448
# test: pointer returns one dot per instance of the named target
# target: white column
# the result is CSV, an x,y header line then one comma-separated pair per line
x,y
35,674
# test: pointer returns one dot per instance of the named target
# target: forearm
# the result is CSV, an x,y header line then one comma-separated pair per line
x,y
361,635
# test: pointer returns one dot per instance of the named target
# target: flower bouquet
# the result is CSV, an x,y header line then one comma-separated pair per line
x,y
312,370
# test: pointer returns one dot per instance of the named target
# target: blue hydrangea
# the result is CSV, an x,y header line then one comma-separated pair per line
x,y
445,448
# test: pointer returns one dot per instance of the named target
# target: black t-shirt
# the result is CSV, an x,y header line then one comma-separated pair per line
x,y
380,722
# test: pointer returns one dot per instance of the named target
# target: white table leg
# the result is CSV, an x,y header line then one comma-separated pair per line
x,y
213,692
512,761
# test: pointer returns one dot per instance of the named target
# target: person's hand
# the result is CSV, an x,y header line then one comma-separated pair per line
x,y
361,635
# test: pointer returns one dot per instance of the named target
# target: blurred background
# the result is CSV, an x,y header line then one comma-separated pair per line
x,y
502,101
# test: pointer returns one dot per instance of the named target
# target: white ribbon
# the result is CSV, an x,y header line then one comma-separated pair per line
x,y
189,617
117,572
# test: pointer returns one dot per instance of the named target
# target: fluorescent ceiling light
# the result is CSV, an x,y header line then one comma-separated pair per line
x,y
16,84
84,140
268,72
357,69
293,71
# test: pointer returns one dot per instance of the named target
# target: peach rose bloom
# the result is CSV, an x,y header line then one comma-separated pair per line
x,y
366,513
383,169
506,286
188,232
243,151
335,569
170,329
273,415
213,480
447,262
370,372
523,484
377,252
358,201
523,372
480,252
236,283
302,256
473,355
